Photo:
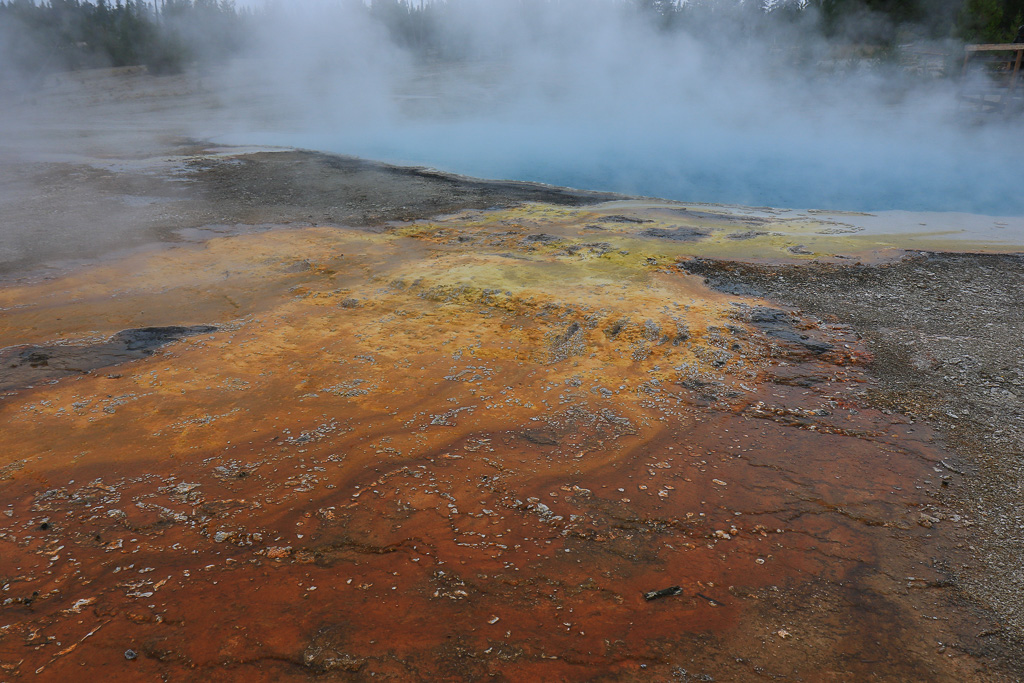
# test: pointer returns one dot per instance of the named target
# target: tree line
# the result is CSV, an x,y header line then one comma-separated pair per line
x,y
38,37
976,21
165,35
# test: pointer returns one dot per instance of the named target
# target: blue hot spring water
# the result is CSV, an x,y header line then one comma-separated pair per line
x,y
962,169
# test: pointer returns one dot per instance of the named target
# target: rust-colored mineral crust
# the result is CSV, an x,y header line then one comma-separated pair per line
x,y
519,444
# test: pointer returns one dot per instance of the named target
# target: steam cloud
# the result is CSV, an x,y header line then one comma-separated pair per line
x,y
591,93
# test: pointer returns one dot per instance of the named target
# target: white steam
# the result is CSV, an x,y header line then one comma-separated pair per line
x,y
594,95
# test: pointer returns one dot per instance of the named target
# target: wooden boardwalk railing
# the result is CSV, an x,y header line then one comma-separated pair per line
x,y
1003,61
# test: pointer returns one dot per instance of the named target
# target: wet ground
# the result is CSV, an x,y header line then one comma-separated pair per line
x,y
944,332
463,448
332,419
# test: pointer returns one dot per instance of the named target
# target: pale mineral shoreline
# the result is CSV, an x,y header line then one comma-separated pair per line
x,y
103,160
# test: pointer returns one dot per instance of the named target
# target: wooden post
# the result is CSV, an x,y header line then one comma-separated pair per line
x,y
1016,69
1016,58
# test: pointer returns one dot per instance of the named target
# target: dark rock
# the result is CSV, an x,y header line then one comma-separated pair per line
x,y
615,329
623,219
675,234
22,366
761,315
748,235
779,324
663,593
541,238
148,339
